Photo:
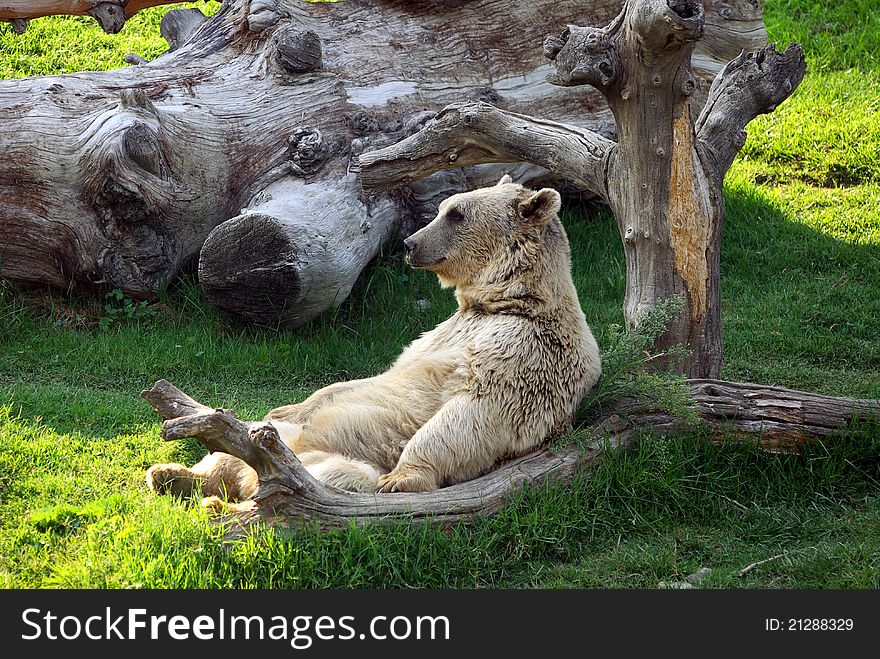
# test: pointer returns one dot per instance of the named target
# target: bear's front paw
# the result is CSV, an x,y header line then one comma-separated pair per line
x,y
407,480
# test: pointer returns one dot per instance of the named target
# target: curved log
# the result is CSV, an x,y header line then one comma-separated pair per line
x,y
776,418
116,179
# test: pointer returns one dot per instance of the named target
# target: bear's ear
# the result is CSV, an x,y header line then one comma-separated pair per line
x,y
505,179
541,206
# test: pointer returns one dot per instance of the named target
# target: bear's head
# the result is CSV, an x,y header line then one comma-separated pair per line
x,y
479,235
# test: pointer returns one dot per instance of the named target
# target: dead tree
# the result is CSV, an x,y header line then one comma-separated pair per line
x,y
662,176
232,151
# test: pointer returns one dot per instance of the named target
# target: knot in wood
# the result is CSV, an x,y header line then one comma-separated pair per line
x,y
486,94
120,205
307,150
298,50
137,99
142,145
358,146
364,123
262,14
582,56
552,45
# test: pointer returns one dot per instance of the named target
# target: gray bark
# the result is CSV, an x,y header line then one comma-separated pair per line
x,y
663,173
117,179
778,419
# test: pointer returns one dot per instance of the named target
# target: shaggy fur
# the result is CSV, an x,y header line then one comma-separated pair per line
x,y
501,376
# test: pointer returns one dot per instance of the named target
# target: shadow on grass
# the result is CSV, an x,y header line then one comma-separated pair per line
x,y
800,307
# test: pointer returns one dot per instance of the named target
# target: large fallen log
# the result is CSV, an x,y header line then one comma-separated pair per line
x,y
116,179
774,417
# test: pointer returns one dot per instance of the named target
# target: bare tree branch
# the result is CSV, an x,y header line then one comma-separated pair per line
x,y
752,84
472,133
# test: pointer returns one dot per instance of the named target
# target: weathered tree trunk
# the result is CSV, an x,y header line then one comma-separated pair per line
x,y
778,419
663,174
116,179
110,14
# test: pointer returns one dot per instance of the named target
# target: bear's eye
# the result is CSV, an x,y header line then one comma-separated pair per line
x,y
455,216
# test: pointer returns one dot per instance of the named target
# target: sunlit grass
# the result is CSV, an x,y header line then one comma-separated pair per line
x,y
67,44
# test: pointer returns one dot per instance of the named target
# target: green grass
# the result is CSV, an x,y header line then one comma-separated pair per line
x,y
800,278
77,43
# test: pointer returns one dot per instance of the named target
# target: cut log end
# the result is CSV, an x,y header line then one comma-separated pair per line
x,y
248,267
297,250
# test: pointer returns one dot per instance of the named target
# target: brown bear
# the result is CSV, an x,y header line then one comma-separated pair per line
x,y
504,374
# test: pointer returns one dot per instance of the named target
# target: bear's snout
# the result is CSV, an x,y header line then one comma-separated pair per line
x,y
419,253
410,245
